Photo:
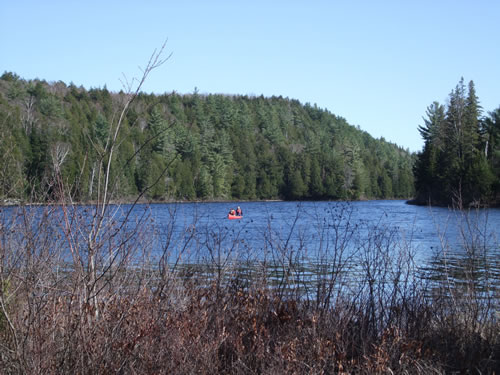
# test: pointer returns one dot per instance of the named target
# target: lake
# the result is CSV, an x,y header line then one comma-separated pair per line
x,y
349,233
312,238
424,227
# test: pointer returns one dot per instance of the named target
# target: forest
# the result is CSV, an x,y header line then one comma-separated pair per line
x,y
186,147
459,165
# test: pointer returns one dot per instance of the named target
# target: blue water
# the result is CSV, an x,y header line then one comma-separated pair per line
x,y
351,235
425,229
299,232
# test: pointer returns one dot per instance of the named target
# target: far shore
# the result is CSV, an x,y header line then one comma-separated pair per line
x,y
11,202
18,202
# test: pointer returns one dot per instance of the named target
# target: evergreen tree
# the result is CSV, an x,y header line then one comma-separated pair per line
x,y
491,147
428,169
184,181
101,132
297,188
11,160
452,168
190,146
315,183
157,127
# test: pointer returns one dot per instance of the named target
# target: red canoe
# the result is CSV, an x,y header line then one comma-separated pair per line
x,y
232,217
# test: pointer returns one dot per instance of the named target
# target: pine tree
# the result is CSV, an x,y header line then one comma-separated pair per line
x,y
157,126
11,160
428,168
471,125
477,178
184,181
315,182
220,146
452,168
492,140
297,189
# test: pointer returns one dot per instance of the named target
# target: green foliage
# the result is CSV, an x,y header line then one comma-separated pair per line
x,y
11,158
50,106
191,147
157,127
101,129
184,181
456,165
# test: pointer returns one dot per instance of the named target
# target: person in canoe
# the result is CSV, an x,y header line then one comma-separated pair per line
x,y
239,212
232,212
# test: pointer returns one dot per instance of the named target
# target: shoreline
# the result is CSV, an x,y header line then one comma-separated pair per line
x,y
19,202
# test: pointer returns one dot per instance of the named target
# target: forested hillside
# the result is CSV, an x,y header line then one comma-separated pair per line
x,y
460,162
187,147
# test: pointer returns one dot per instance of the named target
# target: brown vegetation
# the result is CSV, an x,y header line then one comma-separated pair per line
x,y
132,316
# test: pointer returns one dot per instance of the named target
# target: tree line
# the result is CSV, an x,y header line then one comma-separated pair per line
x,y
460,161
187,147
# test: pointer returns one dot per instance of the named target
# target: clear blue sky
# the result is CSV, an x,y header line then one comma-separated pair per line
x,y
378,64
